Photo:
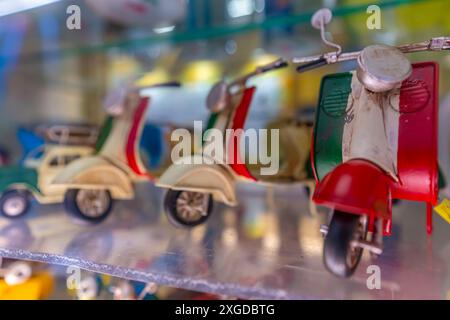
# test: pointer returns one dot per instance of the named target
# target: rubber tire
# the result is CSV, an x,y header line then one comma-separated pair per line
x,y
72,209
337,243
170,207
14,193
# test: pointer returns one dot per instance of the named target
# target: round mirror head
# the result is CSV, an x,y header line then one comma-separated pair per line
x,y
17,273
381,68
322,16
218,97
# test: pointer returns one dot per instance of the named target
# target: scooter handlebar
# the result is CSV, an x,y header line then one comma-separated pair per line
x,y
171,84
278,64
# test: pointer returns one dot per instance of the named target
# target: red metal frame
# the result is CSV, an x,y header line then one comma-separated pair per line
x,y
132,146
238,122
418,138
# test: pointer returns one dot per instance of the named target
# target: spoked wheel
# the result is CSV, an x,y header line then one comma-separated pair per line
x,y
339,255
90,205
187,208
14,203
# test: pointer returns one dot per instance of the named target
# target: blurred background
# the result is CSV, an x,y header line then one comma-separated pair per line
x,y
54,73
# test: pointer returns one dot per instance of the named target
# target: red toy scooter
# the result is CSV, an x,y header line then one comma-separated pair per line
x,y
375,140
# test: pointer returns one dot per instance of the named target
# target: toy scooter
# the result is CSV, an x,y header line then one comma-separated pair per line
x,y
375,140
195,181
85,179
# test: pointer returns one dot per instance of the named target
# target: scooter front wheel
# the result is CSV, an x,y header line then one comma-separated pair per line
x,y
187,209
340,255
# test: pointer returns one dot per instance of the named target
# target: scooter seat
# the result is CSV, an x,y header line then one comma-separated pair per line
x,y
356,186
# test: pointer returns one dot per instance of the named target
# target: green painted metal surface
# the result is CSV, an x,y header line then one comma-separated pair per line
x,y
104,133
211,123
11,175
442,183
330,120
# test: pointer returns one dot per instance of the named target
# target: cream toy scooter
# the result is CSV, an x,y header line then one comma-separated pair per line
x,y
194,182
375,140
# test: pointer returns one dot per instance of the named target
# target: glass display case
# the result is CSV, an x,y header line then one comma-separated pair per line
x,y
59,60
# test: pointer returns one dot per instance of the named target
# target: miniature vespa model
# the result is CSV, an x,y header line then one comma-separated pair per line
x,y
92,183
87,180
195,181
375,140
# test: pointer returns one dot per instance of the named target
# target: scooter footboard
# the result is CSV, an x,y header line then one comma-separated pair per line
x,y
356,186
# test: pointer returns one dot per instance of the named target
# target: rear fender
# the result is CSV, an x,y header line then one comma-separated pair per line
x,y
193,175
96,173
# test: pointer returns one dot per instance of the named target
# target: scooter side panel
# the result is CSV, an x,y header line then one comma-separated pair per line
x,y
134,137
330,119
240,116
418,129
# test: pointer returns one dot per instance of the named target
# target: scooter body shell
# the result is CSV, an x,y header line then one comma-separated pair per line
x,y
345,189
417,145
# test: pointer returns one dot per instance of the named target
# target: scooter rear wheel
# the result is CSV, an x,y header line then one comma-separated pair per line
x,y
92,206
187,209
339,256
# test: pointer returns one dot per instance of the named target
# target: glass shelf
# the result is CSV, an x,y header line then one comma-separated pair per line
x,y
268,247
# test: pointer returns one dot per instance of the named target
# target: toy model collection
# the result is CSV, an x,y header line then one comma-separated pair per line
x,y
382,145
370,124
351,148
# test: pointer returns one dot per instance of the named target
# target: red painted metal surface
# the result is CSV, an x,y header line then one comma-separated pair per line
x,y
418,133
132,146
238,122
356,186
418,138
387,223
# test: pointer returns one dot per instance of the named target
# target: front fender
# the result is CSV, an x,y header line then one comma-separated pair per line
x,y
356,186
194,175
96,173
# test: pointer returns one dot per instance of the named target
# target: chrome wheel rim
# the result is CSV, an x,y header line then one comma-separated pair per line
x,y
354,252
18,273
192,206
92,203
14,206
